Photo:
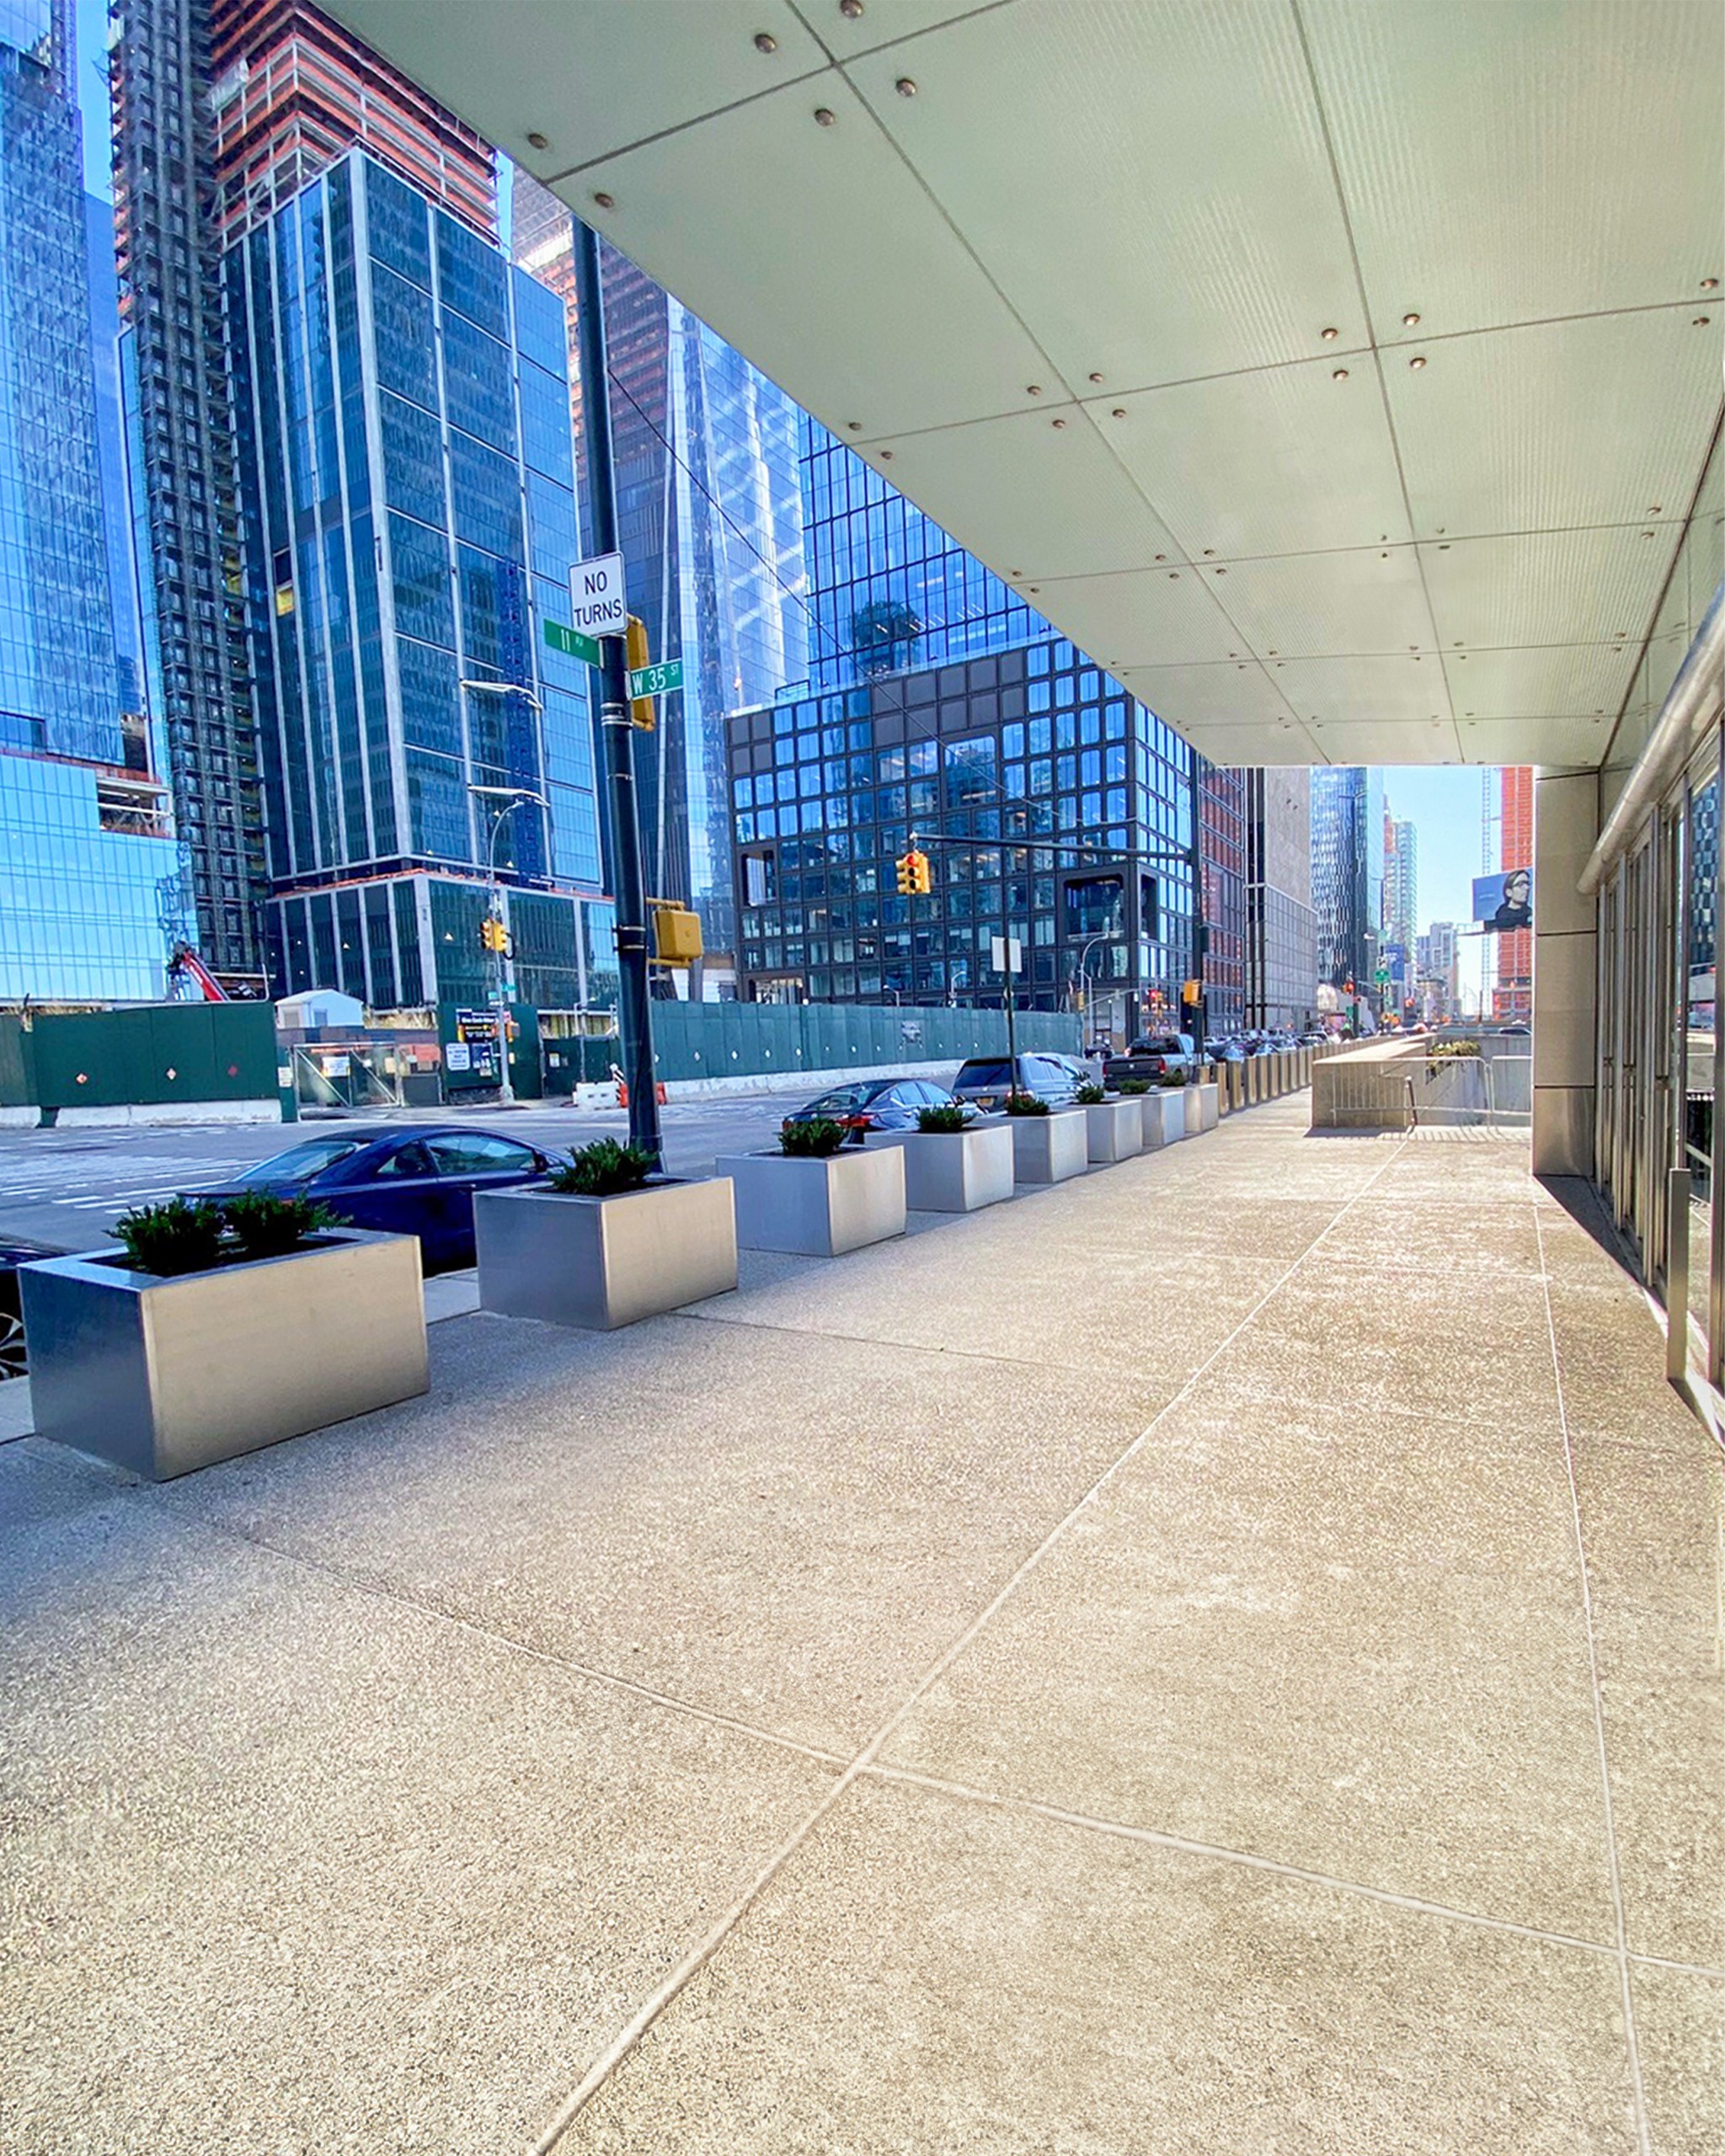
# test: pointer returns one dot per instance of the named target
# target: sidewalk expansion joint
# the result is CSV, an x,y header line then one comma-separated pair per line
x,y
1221,1852
629,2037
1643,2135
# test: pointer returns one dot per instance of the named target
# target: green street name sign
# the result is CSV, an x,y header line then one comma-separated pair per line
x,y
571,643
656,680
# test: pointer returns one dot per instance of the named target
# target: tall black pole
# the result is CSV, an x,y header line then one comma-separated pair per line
x,y
635,1010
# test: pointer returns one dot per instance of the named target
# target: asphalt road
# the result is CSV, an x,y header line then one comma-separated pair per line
x,y
65,1188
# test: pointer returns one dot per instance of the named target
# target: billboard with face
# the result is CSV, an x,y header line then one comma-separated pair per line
x,y
1505,901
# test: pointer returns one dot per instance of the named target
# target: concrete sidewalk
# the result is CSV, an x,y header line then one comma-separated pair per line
x,y
1115,1672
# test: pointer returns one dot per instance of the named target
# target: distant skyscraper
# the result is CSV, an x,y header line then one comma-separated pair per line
x,y
1512,997
409,528
83,842
1222,825
1401,904
221,109
712,532
1281,928
1348,875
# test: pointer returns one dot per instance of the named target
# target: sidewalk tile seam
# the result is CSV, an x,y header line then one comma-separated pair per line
x,y
1644,2131
1221,1852
356,1583
630,2036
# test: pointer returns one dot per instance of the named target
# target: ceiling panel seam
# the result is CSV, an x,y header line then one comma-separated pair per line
x,y
668,134
799,9
1365,307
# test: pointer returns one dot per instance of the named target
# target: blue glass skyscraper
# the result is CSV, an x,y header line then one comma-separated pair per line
x,y
85,850
402,415
1348,875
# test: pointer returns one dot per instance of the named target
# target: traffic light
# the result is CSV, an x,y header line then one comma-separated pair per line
x,y
494,934
1190,992
913,876
642,711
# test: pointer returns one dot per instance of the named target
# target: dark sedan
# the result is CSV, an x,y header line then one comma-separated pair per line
x,y
874,1104
404,1181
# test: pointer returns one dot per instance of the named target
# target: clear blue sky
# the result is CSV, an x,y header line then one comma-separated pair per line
x,y
91,78
1443,804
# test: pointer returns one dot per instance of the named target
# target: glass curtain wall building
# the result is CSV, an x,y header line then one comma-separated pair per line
x,y
1281,930
402,409
1348,877
711,521
85,850
1054,808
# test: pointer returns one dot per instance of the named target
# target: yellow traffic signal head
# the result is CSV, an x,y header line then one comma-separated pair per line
x,y
920,870
907,874
914,876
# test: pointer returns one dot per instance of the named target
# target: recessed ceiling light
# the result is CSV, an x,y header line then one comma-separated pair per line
x,y
1701,321
1409,321
1161,557
1655,510
1221,570
536,141
1033,389
1710,284
850,9
1445,548
1208,552
825,116
605,201
1057,424
905,87
1174,576
1340,374
886,456
765,41
1417,361
1119,412
1329,336
1096,377
855,426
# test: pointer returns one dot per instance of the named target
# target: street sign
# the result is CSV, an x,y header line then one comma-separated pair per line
x,y
571,643
596,600
656,680
1008,954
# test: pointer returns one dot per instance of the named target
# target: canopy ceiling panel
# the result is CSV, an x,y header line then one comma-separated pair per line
x,y
1063,270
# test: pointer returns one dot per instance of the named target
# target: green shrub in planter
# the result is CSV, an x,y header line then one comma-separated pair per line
x,y
948,1120
267,1226
1025,1104
1091,1096
817,1139
1171,1078
183,1235
602,1170
1134,1085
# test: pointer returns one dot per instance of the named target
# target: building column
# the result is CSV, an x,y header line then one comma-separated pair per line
x,y
1566,822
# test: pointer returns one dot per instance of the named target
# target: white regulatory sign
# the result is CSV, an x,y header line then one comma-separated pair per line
x,y
598,607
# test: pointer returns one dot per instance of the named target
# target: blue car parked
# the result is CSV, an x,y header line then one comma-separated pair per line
x,y
405,1181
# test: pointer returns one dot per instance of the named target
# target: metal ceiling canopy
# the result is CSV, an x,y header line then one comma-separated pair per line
x,y
1340,373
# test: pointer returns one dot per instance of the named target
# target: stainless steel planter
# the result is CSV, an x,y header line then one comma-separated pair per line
x,y
954,1171
605,1262
1050,1148
1164,1117
1113,1130
818,1209
165,1375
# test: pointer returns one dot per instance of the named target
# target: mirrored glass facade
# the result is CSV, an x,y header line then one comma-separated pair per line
x,y
88,872
1348,876
407,477
1053,809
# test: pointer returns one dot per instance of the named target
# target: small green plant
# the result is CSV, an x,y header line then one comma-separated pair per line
x,y
1171,1078
602,1169
817,1139
1025,1104
1134,1085
183,1235
1090,1096
1449,1051
947,1120
267,1226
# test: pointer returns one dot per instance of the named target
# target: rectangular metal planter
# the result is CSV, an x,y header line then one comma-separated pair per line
x,y
1050,1148
818,1209
601,1262
163,1375
1164,1117
1113,1130
954,1171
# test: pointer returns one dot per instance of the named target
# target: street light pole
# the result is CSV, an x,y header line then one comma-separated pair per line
x,y
512,798
635,1010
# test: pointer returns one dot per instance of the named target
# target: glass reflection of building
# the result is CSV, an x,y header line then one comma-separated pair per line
x,y
1347,874
711,530
1056,806
402,425
84,838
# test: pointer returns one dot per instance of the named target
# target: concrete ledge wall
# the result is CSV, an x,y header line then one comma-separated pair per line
x,y
1365,1088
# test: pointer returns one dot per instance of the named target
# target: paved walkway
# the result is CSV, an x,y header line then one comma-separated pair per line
x,y
1119,1672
